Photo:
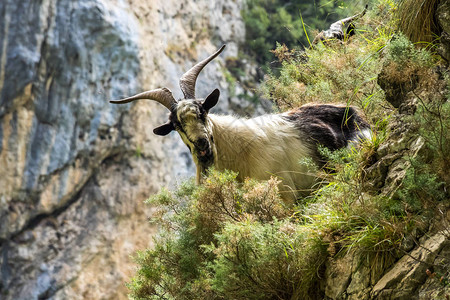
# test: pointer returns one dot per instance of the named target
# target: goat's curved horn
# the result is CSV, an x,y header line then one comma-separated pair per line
x,y
187,81
162,95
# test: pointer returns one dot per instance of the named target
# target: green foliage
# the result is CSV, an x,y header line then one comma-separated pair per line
x,y
406,64
402,51
231,80
433,122
364,221
270,21
278,260
420,188
192,220
174,266
339,74
230,240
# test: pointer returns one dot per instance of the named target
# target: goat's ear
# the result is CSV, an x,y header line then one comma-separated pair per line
x,y
211,100
164,129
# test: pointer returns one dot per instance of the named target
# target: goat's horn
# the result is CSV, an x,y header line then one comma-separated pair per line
x,y
187,81
352,18
162,95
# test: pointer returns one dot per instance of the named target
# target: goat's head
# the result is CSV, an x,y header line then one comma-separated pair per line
x,y
188,116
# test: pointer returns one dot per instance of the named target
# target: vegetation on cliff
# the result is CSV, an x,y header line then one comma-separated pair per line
x,y
230,240
270,21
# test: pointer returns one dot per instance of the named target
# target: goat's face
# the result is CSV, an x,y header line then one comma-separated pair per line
x,y
189,116
190,119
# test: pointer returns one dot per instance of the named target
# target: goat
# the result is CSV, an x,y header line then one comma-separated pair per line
x,y
260,147
336,30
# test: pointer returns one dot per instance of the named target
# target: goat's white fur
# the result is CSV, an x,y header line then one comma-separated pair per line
x,y
259,148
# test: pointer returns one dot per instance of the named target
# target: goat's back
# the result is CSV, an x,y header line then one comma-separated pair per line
x,y
332,126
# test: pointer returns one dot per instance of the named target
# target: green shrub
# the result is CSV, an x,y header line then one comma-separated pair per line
x,y
189,220
279,260
401,50
433,123
338,74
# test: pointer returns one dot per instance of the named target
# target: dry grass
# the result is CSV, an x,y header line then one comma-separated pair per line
x,y
222,199
417,20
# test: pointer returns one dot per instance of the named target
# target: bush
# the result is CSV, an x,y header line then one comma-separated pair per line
x,y
336,74
433,122
279,260
191,220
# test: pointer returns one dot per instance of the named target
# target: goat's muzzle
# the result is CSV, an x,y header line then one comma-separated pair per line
x,y
204,153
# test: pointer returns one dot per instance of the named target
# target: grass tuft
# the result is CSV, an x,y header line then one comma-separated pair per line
x,y
417,20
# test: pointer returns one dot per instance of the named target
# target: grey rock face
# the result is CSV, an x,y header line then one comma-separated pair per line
x,y
352,276
443,18
57,79
409,274
74,169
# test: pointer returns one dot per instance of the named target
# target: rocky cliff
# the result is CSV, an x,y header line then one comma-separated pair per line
x,y
74,169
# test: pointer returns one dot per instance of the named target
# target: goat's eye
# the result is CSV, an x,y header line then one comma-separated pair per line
x,y
212,139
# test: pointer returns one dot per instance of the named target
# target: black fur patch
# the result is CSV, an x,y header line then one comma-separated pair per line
x,y
174,120
331,126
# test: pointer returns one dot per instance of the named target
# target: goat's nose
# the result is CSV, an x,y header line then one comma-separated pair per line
x,y
202,143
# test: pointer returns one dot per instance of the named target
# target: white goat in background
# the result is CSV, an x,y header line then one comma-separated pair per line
x,y
269,145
